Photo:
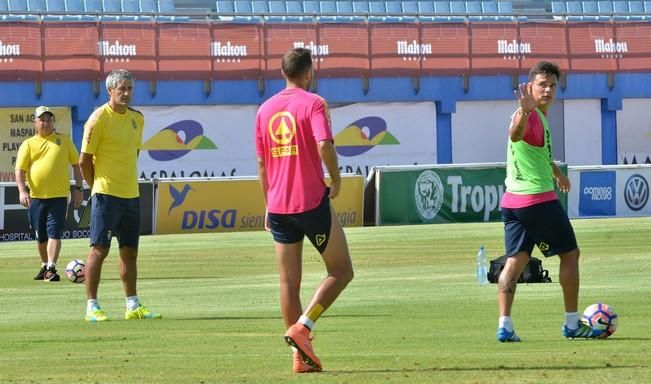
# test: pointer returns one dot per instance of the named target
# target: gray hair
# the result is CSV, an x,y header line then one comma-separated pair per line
x,y
118,76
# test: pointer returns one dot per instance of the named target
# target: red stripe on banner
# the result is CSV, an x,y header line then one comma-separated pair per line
x,y
449,46
236,51
20,51
279,38
397,49
130,46
201,51
548,41
183,51
347,48
496,48
71,51
586,43
632,45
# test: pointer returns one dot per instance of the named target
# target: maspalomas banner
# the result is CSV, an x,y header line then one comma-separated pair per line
x,y
17,125
218,141
235,205
445,194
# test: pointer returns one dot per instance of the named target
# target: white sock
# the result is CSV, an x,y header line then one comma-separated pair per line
x,y
92,305
506,322
51,264
572,320
132,302
306,321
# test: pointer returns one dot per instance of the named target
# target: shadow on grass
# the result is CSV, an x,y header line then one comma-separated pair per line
x,y
240,318
479,369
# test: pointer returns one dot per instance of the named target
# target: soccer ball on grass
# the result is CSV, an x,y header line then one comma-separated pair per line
x,y
601,317
75,271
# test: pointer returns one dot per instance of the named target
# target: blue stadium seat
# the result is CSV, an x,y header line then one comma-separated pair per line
x,y
328,7
244,11
3,8
54,6
93,6
111,6
647,7
132,7
489,7
36,6
346,7
77,6
19,6
558,9
590,9
459,8
605,9
225,9
295,7
394,10
167,6
149,6
620,10
275,6
636,10
427,7
410,6
575,9
260,6
360,7
474,7
506,8
311,7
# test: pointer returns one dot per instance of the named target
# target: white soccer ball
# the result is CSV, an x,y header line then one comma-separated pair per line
x,y
75,271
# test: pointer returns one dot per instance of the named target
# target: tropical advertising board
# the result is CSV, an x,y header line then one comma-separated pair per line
x,y
218,141
443,194
234,205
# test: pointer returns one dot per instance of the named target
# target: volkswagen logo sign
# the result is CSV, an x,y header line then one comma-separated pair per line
x,y
636,192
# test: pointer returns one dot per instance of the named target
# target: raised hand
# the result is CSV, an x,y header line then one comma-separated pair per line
x,y
525,99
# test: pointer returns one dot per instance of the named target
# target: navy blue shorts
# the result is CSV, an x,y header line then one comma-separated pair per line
x,y
545,225
48,217
114,216
315,224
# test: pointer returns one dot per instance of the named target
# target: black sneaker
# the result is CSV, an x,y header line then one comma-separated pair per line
x,y
41,274
51,275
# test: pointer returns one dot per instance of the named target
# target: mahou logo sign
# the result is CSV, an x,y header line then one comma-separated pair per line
x,y
8,51
116,51
513,50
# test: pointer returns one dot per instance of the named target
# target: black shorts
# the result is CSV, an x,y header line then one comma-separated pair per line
x,y
315,224
47,217
114,216
545,225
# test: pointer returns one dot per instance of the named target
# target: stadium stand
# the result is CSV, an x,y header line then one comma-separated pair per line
x,y
256,11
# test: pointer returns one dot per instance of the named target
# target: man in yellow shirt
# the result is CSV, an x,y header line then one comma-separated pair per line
x,y
42,163
109,162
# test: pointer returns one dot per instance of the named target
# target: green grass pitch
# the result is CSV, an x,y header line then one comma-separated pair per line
x,y
413,313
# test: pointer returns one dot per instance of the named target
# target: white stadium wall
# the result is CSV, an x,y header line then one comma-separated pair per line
x,y
582,121
634,131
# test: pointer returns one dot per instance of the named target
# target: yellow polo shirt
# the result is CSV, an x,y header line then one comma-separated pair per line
x,y
45,161
114,140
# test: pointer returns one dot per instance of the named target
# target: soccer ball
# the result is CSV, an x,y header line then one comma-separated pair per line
x,y
75,271
601,317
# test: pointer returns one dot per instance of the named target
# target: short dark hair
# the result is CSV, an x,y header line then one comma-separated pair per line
x,y
296,62
544,67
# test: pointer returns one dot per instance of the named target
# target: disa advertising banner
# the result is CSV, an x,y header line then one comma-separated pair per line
x,y
218,141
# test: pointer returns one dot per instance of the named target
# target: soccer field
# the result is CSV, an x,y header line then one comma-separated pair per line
x,y
413,313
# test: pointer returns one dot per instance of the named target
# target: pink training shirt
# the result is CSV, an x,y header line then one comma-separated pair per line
x,y
534,135
288,127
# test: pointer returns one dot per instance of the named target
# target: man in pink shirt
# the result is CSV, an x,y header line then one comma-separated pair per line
x,y
293,137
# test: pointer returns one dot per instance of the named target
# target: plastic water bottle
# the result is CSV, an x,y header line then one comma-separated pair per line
x,y
482,269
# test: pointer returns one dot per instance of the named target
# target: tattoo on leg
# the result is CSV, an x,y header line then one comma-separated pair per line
x,y
509,286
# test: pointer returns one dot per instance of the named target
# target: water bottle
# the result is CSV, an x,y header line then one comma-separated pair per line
x,y
482,269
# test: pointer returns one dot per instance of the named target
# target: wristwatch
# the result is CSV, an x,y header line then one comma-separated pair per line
x,y
79,188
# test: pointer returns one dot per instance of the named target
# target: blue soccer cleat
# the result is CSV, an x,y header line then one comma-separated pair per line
x,y
504,336
583,331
